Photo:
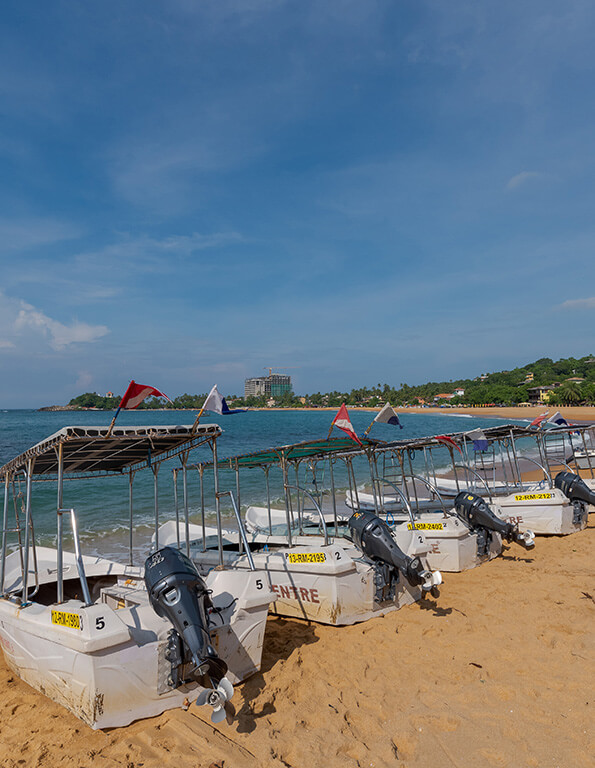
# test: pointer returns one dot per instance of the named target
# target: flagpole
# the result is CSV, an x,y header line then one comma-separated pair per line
x,y
195,425
330,430
369,428
111,426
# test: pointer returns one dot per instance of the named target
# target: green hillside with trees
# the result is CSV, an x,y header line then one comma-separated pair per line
x,y
575,377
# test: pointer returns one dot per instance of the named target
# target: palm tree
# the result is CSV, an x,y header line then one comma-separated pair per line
x,y
569,393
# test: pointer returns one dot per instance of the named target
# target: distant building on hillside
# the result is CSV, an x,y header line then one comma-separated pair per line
x,y
541,395
275,385
444,396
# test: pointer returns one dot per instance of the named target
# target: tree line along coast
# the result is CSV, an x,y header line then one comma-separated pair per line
x,y
568,381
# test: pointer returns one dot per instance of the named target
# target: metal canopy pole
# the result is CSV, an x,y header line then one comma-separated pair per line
x,y
130,499
266,474
332,479
59,532
201,470
4,534
155,469
299,505
373,482
184,459
239,505
286,489
176,506
27,529
217,502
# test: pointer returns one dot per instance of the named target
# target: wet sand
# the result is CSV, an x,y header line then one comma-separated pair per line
x,y
498,671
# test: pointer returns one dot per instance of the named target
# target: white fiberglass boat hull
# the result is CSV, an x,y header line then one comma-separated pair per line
x,y
332,584
545,511
449,545
106,662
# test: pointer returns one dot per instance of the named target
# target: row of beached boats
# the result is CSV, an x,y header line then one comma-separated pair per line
x,y
116,642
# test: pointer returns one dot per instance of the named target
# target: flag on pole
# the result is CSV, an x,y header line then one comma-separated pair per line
x,y
480,441
388,415
343,422
537,421
136,393
133,397
216,402
448,441
558,419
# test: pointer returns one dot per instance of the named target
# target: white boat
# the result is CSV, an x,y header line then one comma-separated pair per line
x,y
536,506
102,638
448,543
314,573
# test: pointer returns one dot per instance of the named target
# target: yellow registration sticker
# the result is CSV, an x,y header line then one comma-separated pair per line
x,y
306,557
426,527
64,619
533,496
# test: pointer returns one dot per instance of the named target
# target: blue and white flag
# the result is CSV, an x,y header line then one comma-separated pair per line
x,y
558,419
480,441
216,402
388,415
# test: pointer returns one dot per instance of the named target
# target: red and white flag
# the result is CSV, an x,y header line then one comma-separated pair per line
x,y
136,393
448,441
342,421
537,421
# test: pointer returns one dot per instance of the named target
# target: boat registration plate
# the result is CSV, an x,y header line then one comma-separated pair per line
x,y
533,496
64,619
426,527
306,557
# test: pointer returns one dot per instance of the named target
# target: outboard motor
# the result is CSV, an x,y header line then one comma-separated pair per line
x,y
178,593
373,536
577,492
474,511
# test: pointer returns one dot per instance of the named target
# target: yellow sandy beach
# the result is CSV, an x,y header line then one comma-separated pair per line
x,y
497,672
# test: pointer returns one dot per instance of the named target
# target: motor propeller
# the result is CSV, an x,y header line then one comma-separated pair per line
x,y
373,536
216,698
474,511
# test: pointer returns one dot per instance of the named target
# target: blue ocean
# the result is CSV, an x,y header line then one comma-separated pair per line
x,y
102,504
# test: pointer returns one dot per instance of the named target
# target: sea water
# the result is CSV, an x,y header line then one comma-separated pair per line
x,y
102,504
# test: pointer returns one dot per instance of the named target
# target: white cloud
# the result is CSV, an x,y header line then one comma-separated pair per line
x,y
59,334
23,326
579,303
522,178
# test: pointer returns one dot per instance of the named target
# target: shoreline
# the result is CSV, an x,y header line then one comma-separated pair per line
x,y
585,413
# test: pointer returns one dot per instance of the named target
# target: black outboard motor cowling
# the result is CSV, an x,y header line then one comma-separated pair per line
x,y
474,511
178,593
373,536
574,488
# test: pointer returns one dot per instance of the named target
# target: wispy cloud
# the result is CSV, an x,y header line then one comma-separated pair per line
x,y
579,303
59,334
30,232
24,326
523,177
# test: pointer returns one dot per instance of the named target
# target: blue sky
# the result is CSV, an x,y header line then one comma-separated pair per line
x,y
380,191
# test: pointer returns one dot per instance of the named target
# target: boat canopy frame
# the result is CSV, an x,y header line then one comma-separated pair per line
x,y
76,452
